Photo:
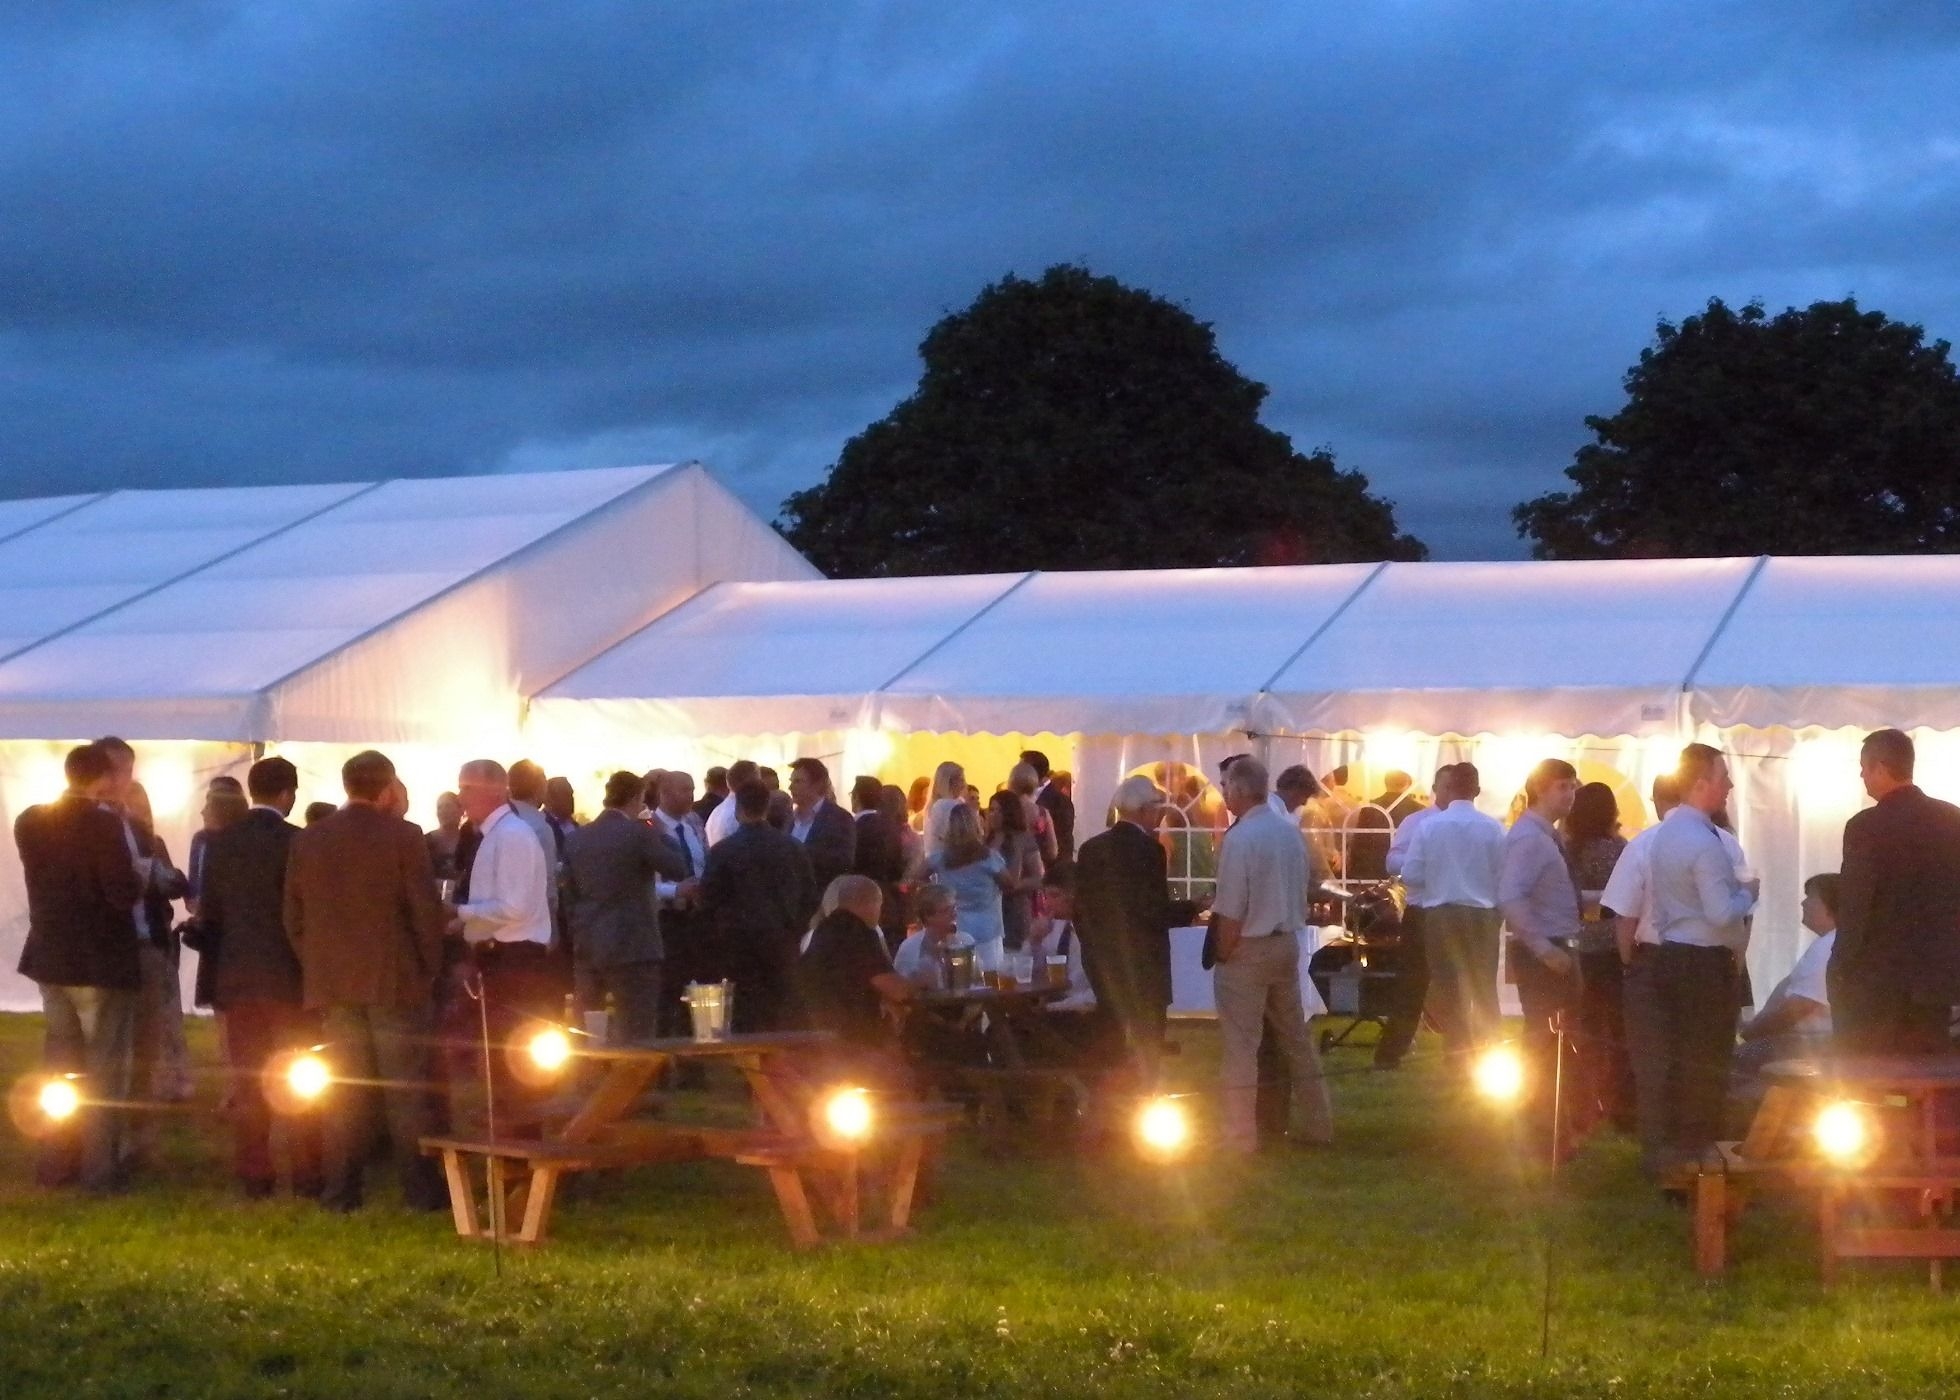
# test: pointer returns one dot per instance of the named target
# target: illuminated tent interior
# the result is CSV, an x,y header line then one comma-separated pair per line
x,y
415,614
1612,665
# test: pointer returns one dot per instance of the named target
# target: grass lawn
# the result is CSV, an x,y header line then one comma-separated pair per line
x,y
1408,1261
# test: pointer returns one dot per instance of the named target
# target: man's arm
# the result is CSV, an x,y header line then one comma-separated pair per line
x,y
1230,902
1408,856
419,897
661,858
1857,888
293,904
1723,898
115,875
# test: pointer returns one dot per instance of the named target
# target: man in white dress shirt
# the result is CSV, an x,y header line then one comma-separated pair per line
x,y
722,823
1451,867
1684,988
507,922
1257,914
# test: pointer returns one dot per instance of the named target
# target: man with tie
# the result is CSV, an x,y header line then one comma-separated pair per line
x,y
255,979
611,865
684,932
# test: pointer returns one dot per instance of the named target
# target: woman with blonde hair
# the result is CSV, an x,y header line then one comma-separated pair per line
x,y
948,792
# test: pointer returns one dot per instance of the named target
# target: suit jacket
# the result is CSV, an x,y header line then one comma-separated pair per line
x,y
831,844
81,895
361,911
880,854
1123,917
759,888
610,866
1060,808
242,911
1899,905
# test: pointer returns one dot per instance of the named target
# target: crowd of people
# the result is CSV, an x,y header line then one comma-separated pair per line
x,y
397,948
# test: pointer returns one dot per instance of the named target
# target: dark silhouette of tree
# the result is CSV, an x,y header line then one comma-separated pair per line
x,y
1823,431
1072,422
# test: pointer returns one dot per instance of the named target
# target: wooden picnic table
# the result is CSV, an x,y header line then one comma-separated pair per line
x,y
1013,1013
522,1176
1904,1096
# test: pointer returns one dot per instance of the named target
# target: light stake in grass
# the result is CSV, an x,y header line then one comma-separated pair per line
x,y
845,1117
1843,1133
59,1100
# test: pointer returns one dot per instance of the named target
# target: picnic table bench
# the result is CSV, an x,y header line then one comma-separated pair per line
x,y
1903,1095
521,1175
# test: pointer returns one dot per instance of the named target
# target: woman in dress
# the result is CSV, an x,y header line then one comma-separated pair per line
x,y
1592,848
978,877
1009,838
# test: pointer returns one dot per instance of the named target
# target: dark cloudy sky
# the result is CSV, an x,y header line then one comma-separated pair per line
x,y
337,240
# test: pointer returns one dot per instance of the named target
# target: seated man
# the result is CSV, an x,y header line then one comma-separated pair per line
x,y
1795,1021
846,980
918,957
1082,1034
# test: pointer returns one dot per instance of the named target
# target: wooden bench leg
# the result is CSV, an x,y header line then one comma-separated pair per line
x,y
905,1180
1711,1223
498,1192
796,1206
462,1195
537,1205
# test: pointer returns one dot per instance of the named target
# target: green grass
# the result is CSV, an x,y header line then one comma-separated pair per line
x,y
1406,1262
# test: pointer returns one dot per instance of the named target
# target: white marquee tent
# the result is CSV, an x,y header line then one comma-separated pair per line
x,y
1611,664
415,614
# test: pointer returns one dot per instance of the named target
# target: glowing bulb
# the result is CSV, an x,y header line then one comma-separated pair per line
x,y
308,1077
1499,1074
551,1049
59,1100
847,1114
1164,1127
1841,1132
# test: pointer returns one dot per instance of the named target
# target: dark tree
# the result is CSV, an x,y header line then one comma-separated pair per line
x,y
1824,431
1075,423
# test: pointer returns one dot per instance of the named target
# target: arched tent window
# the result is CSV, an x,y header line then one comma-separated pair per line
x,y
1193,817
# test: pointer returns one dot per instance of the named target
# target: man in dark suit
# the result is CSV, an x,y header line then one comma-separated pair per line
x,y
880,856
1895,972
1123,918
826,831
716,783
362,914
1398,797
611,864
1059,806
256,979
761,893
82,890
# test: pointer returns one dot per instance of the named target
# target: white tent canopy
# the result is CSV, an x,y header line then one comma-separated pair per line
x,y
395,611
1830,642
1578,648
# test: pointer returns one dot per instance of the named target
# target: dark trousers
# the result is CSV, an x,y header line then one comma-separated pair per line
x,y
1550,1000
522,986
90,1031
1681,1004
390,1047
1603,1038
688,957
763,968
256,1031
635,989
1409,992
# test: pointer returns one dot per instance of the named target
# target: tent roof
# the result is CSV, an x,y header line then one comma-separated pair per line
x,y
1583,647
1160,651
1839,640
206,613
1599,647
768,658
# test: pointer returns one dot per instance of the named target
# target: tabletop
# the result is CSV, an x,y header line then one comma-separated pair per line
x,y
992,996
683,1047
1899,1072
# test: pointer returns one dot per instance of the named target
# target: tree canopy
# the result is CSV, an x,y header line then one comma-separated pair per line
x,y
1071,422
1828,430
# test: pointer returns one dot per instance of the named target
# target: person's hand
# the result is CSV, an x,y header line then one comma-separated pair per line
x,y
455,925
1754,884
688,891
1558,962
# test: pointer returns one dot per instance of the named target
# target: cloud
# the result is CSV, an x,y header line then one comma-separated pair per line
x,y
274,240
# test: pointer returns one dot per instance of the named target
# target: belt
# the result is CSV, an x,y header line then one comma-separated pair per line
x,y
519,950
